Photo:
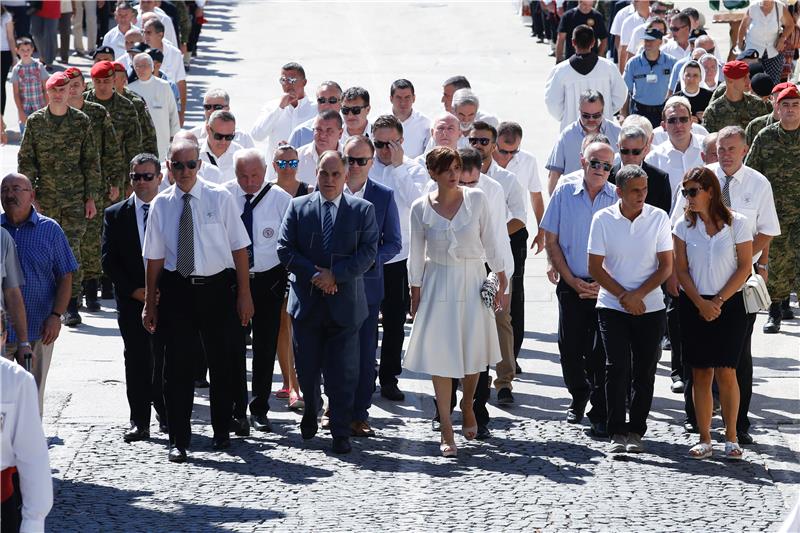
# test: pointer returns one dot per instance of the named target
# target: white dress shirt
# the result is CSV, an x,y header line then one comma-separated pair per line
x,y
631,23
274,124
674,49
172,65
162,107
267,218
677,163
712,260
223,162
140,217
218,228
346,135
358,194
242,138
307,166
487,117
513,193
525,167
116,40
416,133
407,182
620,18
23,444
618,239
169,28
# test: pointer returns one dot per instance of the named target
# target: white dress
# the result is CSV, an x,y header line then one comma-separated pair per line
x,y
453,334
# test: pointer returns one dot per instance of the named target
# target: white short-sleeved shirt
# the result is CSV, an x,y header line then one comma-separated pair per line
x,y
619,19
416,133
218,228
116,40
172,65
513,192
307,167
712,260
619,240
223,162
631,23
525,167
267,218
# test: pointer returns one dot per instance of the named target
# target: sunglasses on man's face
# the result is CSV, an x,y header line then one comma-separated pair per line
x,y
629,151
223,136
591,116
600,165
479,140
355,109
283,163
215,107
329,100
675,120
360,161
508,152
146,176
383,144
180,165
691,192
287,80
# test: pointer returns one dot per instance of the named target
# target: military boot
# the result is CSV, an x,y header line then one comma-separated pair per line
x,y
71,317
107,289
90,293
773,324
786,310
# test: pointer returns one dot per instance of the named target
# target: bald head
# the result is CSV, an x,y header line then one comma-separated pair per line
x,y
445,130
185,135
705,42
251,168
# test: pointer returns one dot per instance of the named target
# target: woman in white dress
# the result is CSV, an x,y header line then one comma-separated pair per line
x,y
454,335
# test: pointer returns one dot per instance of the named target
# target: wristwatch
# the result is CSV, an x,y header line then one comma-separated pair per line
x,y
764,267
57,315
25,344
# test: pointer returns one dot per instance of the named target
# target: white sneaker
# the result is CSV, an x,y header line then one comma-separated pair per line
x,y
617,444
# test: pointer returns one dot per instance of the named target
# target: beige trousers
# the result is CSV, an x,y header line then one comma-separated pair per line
x,y
42,355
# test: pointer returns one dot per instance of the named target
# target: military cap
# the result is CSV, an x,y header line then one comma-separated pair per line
x,y
73,72
103,69
781,86
119,67
653,34
103,50
790,93
735,70
59,79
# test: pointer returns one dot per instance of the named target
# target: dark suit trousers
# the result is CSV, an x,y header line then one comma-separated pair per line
x,y
368,344
395,306
744,375
674,334
323,346
519,249
186,311
582,356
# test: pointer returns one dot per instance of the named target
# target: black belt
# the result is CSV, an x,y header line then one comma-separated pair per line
x,y
271,272
654,108
201,280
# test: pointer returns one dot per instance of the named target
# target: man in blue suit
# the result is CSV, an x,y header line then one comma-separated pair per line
x,y
327,242
358,152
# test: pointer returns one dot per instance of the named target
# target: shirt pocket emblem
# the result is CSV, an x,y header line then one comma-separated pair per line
x,y
268,233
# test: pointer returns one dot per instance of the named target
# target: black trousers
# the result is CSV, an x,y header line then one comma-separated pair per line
x,y
194,33
395,306
185,312
144,362
537,20
744,376
519,249
104,15
11,509
674,333
22,22
633,348
267,289
582,356
650,112
5,68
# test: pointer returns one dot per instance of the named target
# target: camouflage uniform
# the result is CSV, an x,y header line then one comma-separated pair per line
x,y
114,171
775,154
146,126
722,112
125,120
59,156
756,125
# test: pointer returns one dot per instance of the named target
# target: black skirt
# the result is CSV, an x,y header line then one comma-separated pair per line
x,y
712,344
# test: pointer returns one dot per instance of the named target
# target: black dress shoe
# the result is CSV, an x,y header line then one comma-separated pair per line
x,y
744,438
483,433
690,427
93,306
773,325
392,392
678,386
518,370
599,430
575,413
261,423
341,445
163,428
504,396
177,455
240,426
134,434
220,443
308,425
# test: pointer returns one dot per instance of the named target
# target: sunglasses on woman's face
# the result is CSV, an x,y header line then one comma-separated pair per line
x,y
283,163
690,192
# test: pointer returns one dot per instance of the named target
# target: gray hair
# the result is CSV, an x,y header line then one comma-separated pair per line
x,y
144,158
146,57
221,114
628,173
216,92
732,131
633,132
246,154
640,122
593,138
591,96
710,140
465,96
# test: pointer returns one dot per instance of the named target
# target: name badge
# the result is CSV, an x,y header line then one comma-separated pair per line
x,y
651,78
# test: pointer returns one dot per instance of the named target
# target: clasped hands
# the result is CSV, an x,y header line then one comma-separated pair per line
x,y
632,302
324,280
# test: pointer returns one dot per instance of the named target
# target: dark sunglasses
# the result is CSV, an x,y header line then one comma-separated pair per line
x,y
383,144
660,11
180,165
591,116
690,192
222,136
674,120
283,163
215,107
356,109
628,151
597,165
508,152
360,161
146,176
479,140
329,100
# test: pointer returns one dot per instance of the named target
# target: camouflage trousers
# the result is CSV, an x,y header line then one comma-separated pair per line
x,y
90,245
72,219
784,262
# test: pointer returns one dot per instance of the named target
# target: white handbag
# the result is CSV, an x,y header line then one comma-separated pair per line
x,y
754,291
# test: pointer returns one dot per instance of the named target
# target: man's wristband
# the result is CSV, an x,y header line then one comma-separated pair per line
x,y
57,315
25,344
765,268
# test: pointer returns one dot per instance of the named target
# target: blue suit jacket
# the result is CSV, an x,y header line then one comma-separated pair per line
x,y
353,248
390,240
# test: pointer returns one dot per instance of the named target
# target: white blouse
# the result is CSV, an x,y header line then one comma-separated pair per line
x,y
764,30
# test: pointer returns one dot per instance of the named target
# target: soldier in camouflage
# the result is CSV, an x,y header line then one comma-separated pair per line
x,y
59,155
736,107
775,153
113,170
758,124
148,129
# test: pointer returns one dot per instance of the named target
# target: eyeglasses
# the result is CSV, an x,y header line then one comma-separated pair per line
x,y
360,161
591,116
597,165
146,176
283,163
223,136
384,144
287,80
215,107
629,151
16,189
355,109
675,120
508,152
180,165
676,29
691,192
329,100
479,140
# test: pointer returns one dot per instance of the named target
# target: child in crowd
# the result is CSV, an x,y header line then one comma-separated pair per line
x,y
28,77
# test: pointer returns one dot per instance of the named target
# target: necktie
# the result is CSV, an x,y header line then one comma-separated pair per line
x,y
726,191
327,227
185,261
146,209
247,218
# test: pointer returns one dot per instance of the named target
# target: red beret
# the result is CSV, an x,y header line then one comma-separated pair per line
x,y
59,79
119,67
735,70
73,72
103,69
788,93
781,86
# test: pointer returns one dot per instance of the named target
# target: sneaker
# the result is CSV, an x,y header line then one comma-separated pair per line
x,y
634,443
504,397
618,443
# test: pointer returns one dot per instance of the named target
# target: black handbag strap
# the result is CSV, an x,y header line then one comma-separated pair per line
x,y
261,195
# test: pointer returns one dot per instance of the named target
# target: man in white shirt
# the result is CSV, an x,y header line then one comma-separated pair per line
x,y
124,15
219,147
172,65
449,88
355,109
281,116
639,16
584,70
416,126
150,6
160,102
681,151
262,207
205,171
329,96
616,26
134,43
680,28
465,107
217,99
194,240
444,132
327,133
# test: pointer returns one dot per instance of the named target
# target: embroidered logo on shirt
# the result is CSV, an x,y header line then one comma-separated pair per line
x,y
268,233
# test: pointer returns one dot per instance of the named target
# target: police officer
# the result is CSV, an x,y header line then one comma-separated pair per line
x,y
59,155
647,77
146,125
736,107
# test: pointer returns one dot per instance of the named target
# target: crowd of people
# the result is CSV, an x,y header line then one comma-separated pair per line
x,y
321,224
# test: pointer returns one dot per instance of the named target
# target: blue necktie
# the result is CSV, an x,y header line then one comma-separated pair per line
x,y
247,218
327,227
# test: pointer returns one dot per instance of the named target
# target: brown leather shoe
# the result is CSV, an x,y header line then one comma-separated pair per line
x,y
361,428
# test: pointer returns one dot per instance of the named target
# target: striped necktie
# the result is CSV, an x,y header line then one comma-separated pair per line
x,y
726,191
185,261
327,227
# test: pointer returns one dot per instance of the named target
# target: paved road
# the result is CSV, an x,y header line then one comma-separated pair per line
x,y
536,473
